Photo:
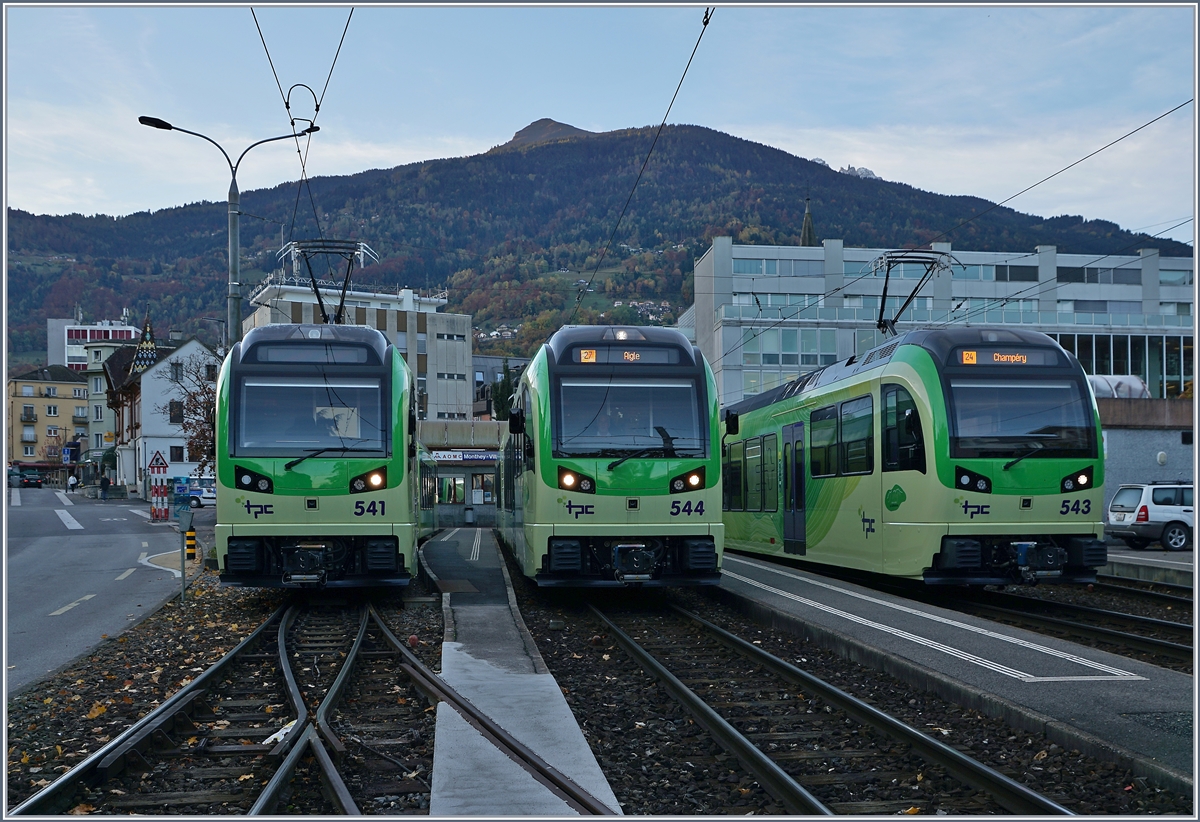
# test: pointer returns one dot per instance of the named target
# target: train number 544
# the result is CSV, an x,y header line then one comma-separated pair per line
x,y
686,508
371,508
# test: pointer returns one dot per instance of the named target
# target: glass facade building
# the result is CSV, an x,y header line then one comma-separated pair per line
x,y
763,315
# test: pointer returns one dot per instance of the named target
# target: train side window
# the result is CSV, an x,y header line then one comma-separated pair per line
x,y
787,476
735,476
903,442
822,444
754,474
856,436
770,477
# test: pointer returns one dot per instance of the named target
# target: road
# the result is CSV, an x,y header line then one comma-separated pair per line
x,y
77,570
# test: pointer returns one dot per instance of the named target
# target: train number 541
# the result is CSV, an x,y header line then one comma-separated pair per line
x,y
686,508
371,508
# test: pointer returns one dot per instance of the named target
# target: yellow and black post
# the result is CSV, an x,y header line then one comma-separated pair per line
x,y
191,544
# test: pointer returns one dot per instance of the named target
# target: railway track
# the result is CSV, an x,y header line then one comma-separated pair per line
x,y
1165,592
1165,640
814,748
321,710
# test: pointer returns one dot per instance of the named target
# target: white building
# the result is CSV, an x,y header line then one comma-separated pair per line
x,y
66,339
147,406
765,314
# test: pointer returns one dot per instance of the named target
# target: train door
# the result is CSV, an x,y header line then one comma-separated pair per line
x,y
793,489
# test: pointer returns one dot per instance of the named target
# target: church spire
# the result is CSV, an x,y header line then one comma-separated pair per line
x,y
808,234
147,352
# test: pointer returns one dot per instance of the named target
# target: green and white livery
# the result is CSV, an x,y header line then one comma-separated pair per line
x,y
953,456
609,472
321,481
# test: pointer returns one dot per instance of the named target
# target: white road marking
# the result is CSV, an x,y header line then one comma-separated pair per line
x,y
68,520
144,554
66,608
475,549
140,512
143,561
15,498
1110,672
63,498
448,536
126,574
145,545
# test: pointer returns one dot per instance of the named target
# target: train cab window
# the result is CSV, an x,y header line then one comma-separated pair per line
x,y
903,442
733,477
754,474
822,446
770,476
856,436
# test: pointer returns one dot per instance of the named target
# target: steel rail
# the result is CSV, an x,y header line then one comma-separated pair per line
x,y
1139,643
791,794
54,798
1067,608
333,695
1173,592
1010,794
437,690
337,792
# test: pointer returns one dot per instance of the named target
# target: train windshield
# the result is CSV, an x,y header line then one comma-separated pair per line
x,y
601,417
295,415
1001,418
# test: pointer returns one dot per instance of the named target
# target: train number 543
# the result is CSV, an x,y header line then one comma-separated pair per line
x,y
686,508
1080,506
371,508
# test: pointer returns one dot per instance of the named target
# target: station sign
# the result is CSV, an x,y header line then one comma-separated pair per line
x,y
459,455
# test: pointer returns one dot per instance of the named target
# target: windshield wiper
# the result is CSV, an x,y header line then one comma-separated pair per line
x,y
640,453
290,465
1037,446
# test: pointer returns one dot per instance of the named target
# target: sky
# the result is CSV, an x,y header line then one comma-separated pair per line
x,y
974,99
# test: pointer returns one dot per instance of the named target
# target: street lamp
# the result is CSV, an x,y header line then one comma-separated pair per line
x,y
233,327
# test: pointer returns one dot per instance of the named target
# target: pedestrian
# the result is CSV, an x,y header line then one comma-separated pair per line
x,y
104,488
71,481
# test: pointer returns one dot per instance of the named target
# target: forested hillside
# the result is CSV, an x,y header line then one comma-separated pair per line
x,y
508,232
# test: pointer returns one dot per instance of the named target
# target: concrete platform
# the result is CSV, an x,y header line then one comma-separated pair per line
x,y
489,657
1080,697
1152,564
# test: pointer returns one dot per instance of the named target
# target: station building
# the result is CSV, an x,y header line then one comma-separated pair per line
x,y
763,315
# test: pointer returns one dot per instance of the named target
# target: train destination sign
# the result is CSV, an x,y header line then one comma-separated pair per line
x,y
633,355
1007,356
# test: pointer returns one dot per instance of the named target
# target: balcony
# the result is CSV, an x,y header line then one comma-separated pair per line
x,y
28,416
29,438
79,419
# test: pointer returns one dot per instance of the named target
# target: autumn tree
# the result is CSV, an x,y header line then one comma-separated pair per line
x,y
193,403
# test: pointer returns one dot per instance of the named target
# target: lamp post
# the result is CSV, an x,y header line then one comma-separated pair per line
x,y
233,321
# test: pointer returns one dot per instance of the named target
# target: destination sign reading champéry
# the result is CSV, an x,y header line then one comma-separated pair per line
x,y
1008,356
626,354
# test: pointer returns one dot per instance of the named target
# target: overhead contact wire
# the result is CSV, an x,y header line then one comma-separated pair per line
x,y
579,299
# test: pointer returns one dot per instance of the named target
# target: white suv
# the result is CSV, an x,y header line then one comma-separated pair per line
x,y
1158,512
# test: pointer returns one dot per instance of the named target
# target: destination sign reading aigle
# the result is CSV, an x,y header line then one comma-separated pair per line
x,y
626,354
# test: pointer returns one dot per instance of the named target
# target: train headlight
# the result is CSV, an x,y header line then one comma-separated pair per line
x,y
571,480
1076,481
373,480
248,480
690,481
968,480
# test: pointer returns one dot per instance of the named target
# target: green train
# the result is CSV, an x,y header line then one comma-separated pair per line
x,y
609,473
957,456
321,481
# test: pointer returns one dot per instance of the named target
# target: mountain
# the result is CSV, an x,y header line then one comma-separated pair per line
x,y
510,232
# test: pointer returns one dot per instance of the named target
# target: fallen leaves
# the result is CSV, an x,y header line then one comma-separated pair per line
x,y
96,710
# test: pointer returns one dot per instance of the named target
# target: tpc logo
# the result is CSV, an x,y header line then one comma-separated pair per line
x,y
577,510
265,510
981,510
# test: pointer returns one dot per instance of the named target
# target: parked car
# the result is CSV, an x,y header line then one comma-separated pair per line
x,y
31,479
1156,512
14,478
202,493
